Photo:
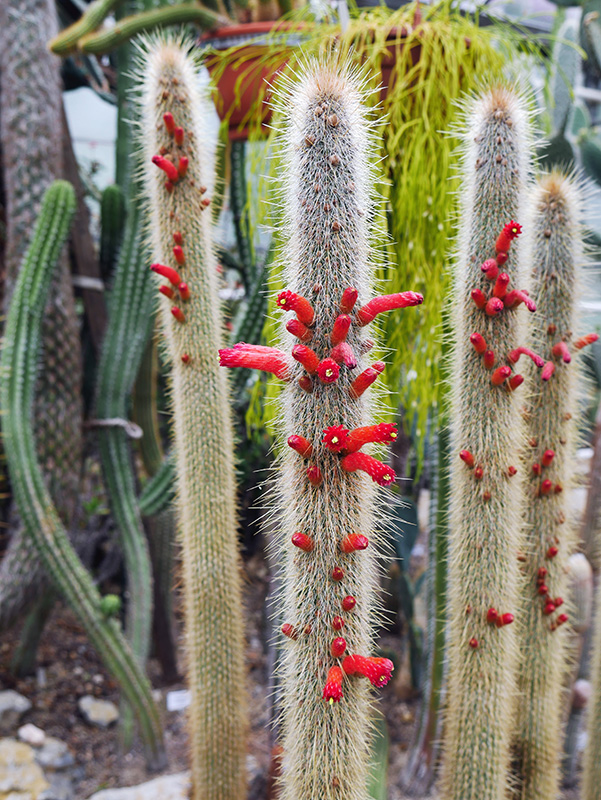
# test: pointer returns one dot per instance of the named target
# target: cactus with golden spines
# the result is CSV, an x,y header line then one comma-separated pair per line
x,y
179,224
489,308
325,506
549,408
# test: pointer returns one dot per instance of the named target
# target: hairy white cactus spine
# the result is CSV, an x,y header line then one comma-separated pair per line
x,y
180,239
550,409
487,430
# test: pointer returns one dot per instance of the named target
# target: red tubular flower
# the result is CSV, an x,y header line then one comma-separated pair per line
x,y
178,314
307,357
549,608
348,603
178,133
507,235
365,379
500,375
548,370
490,268
289,631
328,371
547,458
515,381
506,619
299,329
178,254
492,615
552,551
479,298
384,433
467,458
314,475
167,291
387,302
182,166
377,670
338,647
268,359
478,342
354,541
380,473
168,186
184,291
290,301
343,354
178,238
517,296
546,486
338,623
169,122
536,469
340,329
172,275
489,359
511,471
560,350
585,340
514,356
501,284
302,446
494,306
335,438
349,298
333,689
302,541
167,166
562,618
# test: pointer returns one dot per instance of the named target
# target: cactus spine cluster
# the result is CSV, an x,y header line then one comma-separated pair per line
x,y
555,243
325,491
486,490
180,241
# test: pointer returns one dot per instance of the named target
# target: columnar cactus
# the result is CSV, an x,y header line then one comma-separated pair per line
x,y
591,779
549,408
487,428
180,240
325,506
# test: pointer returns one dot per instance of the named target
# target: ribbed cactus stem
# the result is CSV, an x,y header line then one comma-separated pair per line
x,y
591,778
19,366
550,408
325,512
202,420
486,492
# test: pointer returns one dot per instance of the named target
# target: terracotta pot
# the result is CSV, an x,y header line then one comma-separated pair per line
x,y
245,75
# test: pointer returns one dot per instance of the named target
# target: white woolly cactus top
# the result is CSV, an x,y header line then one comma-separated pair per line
x,y
325,499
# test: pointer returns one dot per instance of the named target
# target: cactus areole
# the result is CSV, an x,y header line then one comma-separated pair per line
x,y
327,480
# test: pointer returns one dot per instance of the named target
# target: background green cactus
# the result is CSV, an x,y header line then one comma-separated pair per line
x,y
486,499
179,229
19,369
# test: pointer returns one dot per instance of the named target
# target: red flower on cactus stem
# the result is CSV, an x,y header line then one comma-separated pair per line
x,y
314,475
516,296
338,647
167,166
384,433
548,371
268,359
478,342
299,329
507,235
343,354
387,302
172,275
333,689
169,122
515,381
328,371
363,381
501,284
378,472
377,670
514,356
302,446
353,542
340,329
303,542
335,438
349,298
585,340
490,268
307,357
290,301
560,350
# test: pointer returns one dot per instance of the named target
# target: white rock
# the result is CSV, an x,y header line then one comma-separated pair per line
x,y
12,707
20,777
54,755
98,712
31,734
178,700
173,787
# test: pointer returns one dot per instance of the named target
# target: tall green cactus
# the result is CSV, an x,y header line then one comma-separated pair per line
x,y
19,364
325,507
486,430
180,239
550,406
591,778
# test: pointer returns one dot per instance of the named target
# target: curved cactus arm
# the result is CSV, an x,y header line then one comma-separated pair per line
x,y
144,409
191,321
128,27
19,367
112,224
95,14
159,491
550,410
486,484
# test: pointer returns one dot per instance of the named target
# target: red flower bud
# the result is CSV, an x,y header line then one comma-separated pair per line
x,y
303,542
467,458
306,383
515,381
478,473
536,469
516,296
178,238
560,350
307,357
490,268
338,647
543,589
561,619
511,471
290,301
251,356
378,472
167,166
585,340
289,631
492,615
558,602
507,619
169,273
328,371
349,298
546,486
354,541
542,573
348,603
478,342
178,133
169,122
494,306
549,608
184,291
507,235
333,688
178,254
343,354
552,551
479,298
338,623
178,314
501,284
185,358
514,356
548,370
548,457
167,291
337,574
314,475
377,670
500,375
489,359
387,302
473,643
302,446
299,329
340,329
365,379
182,166
558,488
